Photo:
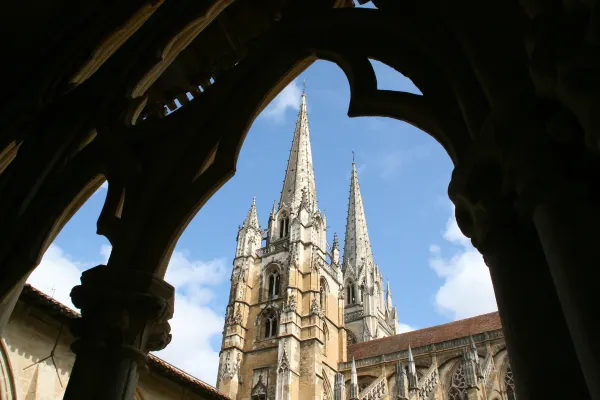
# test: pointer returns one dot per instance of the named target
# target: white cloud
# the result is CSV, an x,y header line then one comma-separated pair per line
x,y
194,322
105,250
403,328
289,98
57,274
467,289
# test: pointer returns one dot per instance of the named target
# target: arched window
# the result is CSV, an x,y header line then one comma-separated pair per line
x,y
274,284
364,382
270,324
350,295
350,338
458,387
509,382
284,226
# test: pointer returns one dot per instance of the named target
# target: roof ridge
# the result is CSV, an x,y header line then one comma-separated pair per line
x,y
429,327
479,324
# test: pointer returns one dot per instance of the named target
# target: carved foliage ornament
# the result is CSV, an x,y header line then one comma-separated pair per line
x,y
291,304
231,368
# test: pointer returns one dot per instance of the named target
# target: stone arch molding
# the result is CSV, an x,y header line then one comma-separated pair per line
x,y
7,378
288,53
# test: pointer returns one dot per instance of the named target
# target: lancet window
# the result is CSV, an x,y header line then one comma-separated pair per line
x,y
509,382
350,293
458,387
274,284
284,226
270,323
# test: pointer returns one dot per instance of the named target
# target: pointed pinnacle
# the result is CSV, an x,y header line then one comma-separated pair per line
x,y
473,346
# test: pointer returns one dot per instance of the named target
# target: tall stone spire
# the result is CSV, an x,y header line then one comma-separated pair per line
x,y
300,175
357,246
252,217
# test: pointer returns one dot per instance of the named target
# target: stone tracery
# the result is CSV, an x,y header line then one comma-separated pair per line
x,y
467,70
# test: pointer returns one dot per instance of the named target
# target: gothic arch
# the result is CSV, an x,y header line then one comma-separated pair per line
x,y
457,385
508,381
267,322
350,292
350,338
364,381
272,281
7,379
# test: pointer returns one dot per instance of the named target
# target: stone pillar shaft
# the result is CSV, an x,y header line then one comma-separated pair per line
x,y
570,235
124,315
531,315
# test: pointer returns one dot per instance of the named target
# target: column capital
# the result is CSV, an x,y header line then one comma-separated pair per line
x,y
123,308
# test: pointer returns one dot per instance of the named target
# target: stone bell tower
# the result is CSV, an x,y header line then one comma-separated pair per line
x,y
284,332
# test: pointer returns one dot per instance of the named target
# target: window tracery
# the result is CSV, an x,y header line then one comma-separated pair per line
x,y
509,382
284,226
274,284
459,385
350,294
270,322
259,392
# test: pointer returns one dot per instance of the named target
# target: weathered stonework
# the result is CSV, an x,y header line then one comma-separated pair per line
x,y
36,359
323,307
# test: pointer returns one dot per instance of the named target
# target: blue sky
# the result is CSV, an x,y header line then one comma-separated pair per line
x,y
435,275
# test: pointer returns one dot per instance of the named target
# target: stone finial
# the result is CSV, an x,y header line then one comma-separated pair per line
x,y
336,244
401,383
339,391
251,220
353,382
412,371
274,210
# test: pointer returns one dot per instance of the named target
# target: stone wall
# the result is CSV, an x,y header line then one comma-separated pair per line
x,y
29,373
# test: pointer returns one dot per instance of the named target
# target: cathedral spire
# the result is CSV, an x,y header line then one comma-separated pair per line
x,y
357,246
252,217
300,175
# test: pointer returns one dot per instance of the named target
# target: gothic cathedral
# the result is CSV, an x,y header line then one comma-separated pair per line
x,y
297,313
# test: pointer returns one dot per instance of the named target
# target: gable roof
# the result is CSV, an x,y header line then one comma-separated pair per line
x,y
423,337
55,309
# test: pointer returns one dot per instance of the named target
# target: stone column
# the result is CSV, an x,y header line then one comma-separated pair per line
x,y
567,220
534,327
125,314
8,303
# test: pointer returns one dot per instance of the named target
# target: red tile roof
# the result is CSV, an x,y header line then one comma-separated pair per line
x,y
422,337
32,296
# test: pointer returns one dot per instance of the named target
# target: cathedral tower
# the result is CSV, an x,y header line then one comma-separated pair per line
x,y
369,312
284,332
